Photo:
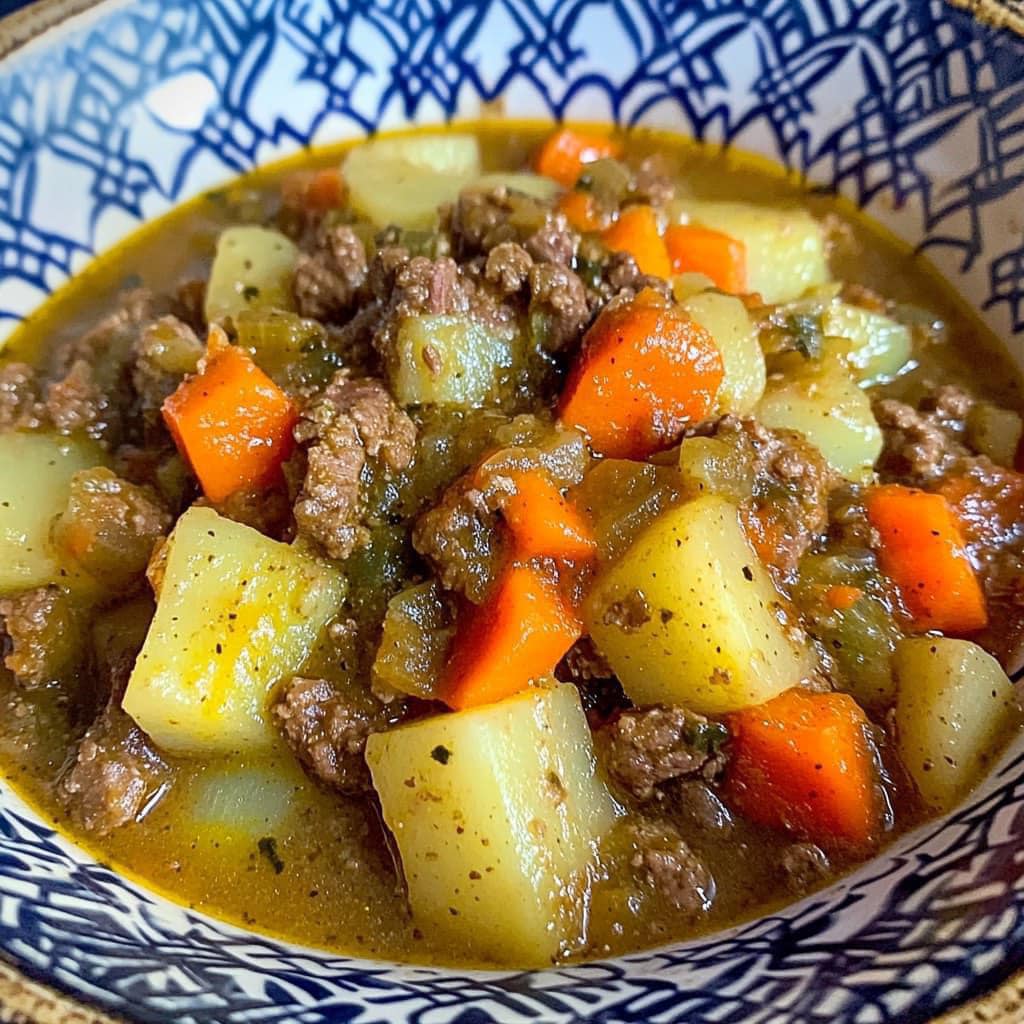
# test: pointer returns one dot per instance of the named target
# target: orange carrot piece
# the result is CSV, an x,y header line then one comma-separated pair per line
x,y
696,250
922,550
564,154
581,211
519,634
841,598
636,232
646,372
231,422
803,762
321,190
543,523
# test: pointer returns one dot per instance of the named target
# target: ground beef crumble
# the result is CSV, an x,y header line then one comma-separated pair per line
x,y
664,863
327,733
353,420
645,747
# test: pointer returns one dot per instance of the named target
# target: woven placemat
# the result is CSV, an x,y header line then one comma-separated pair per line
x,y
1000,13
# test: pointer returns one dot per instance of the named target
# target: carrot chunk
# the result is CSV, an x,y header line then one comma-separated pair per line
x,y
696,250
923,552
564,154
646,372
803,762
519,634
581,211
841,598
320,191
636,232
543,523
231,422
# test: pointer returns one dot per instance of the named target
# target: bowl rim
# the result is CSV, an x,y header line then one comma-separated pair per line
x,y
22,996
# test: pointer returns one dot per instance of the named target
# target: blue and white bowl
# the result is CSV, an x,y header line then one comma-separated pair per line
x,y
909,107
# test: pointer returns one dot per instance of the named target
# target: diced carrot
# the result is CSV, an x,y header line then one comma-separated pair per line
x,y
564,154
231,422
803,762
636,232
922,550
320,191
841,598
646,372
543,523
696,250
581,211
519,634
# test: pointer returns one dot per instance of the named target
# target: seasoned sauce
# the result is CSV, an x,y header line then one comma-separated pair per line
x,y
273,850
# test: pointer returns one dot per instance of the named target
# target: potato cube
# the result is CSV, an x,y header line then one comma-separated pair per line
x,y
953,704
236,613
689,615
35,481
496,811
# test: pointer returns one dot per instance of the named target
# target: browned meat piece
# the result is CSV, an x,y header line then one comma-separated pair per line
x,y
460,537
645,747
989,503
115,775
664,863
695,805
805,866
352,420
77,403
559,312
327,733
328,280
618,278
480,221
508,267
652,182
110,526
270,512
44,634
584,662
191,296
922,444
20,406
166,350
91,391
792,484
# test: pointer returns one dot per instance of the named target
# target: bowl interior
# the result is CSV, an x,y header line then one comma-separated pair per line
x,y
907,107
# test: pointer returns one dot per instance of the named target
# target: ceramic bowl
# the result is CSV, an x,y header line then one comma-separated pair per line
x,y
912,109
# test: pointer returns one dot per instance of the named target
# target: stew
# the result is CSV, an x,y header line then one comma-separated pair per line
x,y
507,546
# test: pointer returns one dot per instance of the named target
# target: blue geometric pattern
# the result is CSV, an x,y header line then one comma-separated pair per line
x,y
906,106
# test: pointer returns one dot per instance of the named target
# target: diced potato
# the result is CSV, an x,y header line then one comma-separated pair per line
x,y
953,704
418,628
995,432
880,347
785,246
244,803
535,185
726,319
35,481
689,615
253,269
447,360
236,612
496,809
823,402
403,181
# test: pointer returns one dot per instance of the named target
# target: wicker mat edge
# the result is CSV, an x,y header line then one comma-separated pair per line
x,y
998,13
